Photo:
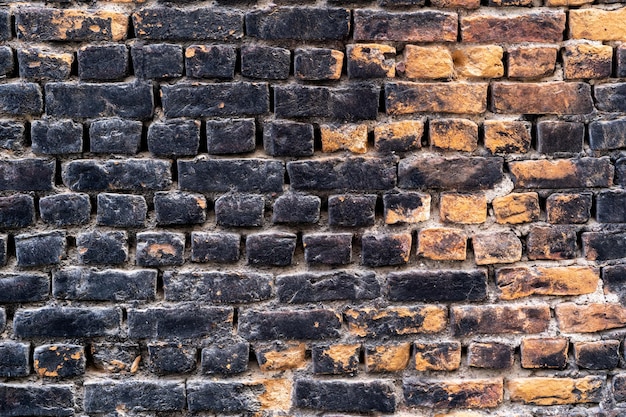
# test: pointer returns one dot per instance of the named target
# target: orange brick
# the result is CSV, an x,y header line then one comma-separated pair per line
x,y
453,134
431,62
442,244
590,318
520,282
482,61
387,358
544,353
552,391
463,208
348,137
281,356
516,208
597,24
442,356
507,136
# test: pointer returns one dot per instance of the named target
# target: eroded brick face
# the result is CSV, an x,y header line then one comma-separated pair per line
x,y
332,207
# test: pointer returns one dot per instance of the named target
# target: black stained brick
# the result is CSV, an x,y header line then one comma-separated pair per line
x,y
16,211
437,286
223,175
134,396
116,175
217,287
20,99
230,136
357,397
35,400
67,322
298,23
65,209
181,322
23,287
174,138
89,284
312,287
121,210
47,248
293,324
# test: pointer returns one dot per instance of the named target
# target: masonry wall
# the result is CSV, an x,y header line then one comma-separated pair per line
x,y
322,208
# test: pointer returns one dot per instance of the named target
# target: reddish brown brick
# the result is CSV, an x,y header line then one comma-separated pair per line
x,y
496,248
585,60
556,97
517,282
531,61
442,244
536,26
590,318
551,242
544,353
562,173
463,208
494,319
458,98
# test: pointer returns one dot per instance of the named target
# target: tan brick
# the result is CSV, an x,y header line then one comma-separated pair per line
x,y
371,60
281,356
453,134
387,358
401,136
430,62
521,282
393,321
561,3
496,248
466,393
442,244
482,61
463,208
531,61
348,137
590,318
556,97
459,98
544,353
552,391
562,173
598,24
536,26
276,395
442,356
507,136
495,319
586,60
410,207
516,208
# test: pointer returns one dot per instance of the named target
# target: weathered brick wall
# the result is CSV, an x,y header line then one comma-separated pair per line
x,y
313,209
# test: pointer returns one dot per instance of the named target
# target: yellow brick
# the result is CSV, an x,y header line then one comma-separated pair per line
x,y
427,62
552,391
598,24
387,358
516,208
479,61
507,136
463,208
348,137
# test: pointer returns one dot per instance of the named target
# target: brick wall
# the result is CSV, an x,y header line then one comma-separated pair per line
x,y
328,208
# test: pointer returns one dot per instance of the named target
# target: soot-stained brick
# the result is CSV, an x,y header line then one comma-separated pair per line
x,y
103,62
20,99
174,138
551,242
607,134
392,321
14,359
437,286
614,279
16,211
230,136
282,138
67,322
296,208
56,137
490,355
26,174
312,287
59,360
357,397
6,61
270,249
23,287
328,248
102,247
41,65
544,353
210,61
439,356
240,210
557,136
217,287
604,246
494,319
610,97
215,247
134,396
121,210
408,207
298,23
65,209
5,25
175,208
89,284
159,61
335,359
385,249
171,358
597,355
56,400
227,397
420,26
115,136
115,357
222,175
292,324
225,357
351,210
610,206
160,248
12,134
181,322
117,175
479,393
563,208
40,249
316,64
265,62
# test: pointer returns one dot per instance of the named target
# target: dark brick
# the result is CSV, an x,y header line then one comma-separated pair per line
x,y
420,26
544,353
393,321
102,247
327,286
56,137
217,287
597,355
134,396
604,246
351,210
462,173
230,136
281,138
115,136
21,99
3,318
562,173
87,284
490,355
23,287
210,61
176,208
103,62
607,134
358,397
40,65
6,59
437,356
296,208
36,400
215,247
620,171
128,100
223,397
174,138
371,60
614,279
160,61
555,97
610,206
12,135
551,242
292,324
406,207
477,393
620,56
265,62
73,25
59,361
117,175
223,175
316,64
3,250
543,26
220,99
14,359
340,174
205,23
401,3
335,359
494,319
356,102
114,357
46,248
557,136
385,249
5,25
17,211
172,358
610,97
239,210
66,322
270,249
26,174
328,248
298,23
180,322
619,387
160,248
121,210
66,209
225,357
437,286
